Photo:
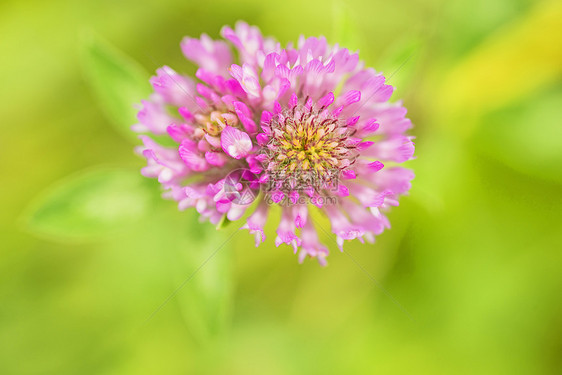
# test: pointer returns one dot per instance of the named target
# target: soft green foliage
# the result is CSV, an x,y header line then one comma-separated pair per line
x,y
117,81
101,275
91,204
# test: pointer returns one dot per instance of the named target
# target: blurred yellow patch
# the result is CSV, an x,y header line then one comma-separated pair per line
x,y
509,65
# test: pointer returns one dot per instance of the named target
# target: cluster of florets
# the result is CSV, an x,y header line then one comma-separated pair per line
x,y
294,126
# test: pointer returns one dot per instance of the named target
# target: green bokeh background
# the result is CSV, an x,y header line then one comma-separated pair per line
x,y
468,280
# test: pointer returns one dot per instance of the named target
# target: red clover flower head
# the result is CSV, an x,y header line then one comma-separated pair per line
x,y
299,126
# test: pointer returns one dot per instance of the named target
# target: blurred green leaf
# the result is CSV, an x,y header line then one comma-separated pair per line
x,y
509,65
118,82
205,261
91,204
223,223
526,136
399,62
345,29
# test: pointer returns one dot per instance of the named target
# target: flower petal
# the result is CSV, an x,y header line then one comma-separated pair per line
x,y
235,142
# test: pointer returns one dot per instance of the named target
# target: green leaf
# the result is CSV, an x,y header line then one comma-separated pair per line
x,y
205,261
117,81
526,136
91,204
400,61
223,223
511,65
345,29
